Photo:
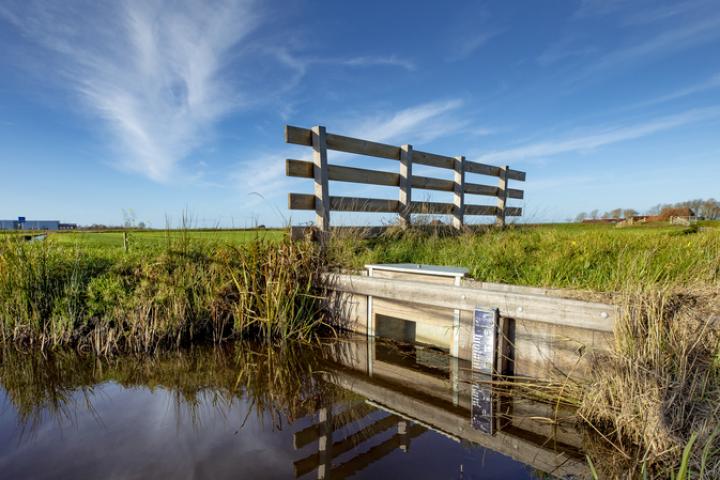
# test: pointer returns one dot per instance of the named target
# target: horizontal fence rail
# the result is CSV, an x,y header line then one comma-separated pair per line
x,y
322,172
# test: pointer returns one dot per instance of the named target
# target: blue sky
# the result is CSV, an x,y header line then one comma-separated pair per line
x,y
163,106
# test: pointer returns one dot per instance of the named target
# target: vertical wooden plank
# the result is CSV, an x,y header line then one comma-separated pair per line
x,y
502,197
455,379
505,340
320,170
405,184
459,193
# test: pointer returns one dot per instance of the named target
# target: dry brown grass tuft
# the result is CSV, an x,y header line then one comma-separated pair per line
x,y
660,387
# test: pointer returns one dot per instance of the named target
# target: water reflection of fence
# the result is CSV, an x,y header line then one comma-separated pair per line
x,y
439,397
322,172
331,441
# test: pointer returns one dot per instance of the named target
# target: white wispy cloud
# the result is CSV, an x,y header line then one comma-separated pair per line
x,y
566,47
592,8
709,84
299,63
153,70
656,13
666,42
601,137
264,172
392,60
420,123
472,43
642,12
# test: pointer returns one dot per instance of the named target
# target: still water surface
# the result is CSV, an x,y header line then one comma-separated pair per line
x,y
346,409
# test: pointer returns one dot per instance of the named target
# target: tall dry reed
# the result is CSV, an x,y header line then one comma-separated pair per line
x,y
659,389
105,302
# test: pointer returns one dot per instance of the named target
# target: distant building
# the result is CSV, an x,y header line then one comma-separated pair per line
x,y
672,215
40,225
24,224
679,212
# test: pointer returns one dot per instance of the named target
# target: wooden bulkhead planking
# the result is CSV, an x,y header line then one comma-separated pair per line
x,y
539,308
541,336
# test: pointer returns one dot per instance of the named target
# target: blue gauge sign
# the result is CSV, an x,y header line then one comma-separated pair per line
x,y
483,343
483,360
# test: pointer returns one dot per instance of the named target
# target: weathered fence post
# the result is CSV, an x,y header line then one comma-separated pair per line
x,y
502,197
405,184
320,172
459,193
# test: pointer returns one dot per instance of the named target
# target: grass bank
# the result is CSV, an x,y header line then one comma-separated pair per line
x,y
595,258
113,240
105,300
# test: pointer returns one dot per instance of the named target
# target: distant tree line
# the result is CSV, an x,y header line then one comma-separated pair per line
x,y
124,226
615,213
709,209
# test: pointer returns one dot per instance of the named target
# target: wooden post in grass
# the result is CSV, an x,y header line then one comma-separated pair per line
x,y
320,173
459,193
405,184
502,197
125,242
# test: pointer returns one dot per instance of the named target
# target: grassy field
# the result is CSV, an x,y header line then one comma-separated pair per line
x,y
84,291
158,238
597,258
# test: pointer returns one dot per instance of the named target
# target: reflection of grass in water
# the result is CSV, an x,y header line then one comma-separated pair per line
x,y
38,387
277,383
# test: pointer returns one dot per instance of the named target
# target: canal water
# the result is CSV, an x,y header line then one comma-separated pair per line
x,y
346,408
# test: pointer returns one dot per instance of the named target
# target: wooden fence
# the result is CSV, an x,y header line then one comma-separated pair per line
x,y
322,172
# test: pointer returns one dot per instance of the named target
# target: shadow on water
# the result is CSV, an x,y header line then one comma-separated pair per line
x,y
339,409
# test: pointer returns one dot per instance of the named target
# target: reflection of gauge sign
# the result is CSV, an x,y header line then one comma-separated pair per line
x,y
483,345
482,408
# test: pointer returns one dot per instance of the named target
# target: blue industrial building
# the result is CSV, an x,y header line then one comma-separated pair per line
x,y
24,224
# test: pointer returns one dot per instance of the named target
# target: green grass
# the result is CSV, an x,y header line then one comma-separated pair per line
x,y
157,295
598,258
156,238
